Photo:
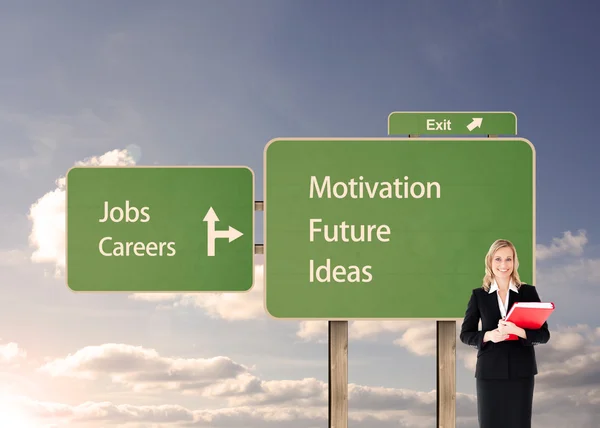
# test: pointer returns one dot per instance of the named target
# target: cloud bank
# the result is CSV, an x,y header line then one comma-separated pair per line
x,y
567,391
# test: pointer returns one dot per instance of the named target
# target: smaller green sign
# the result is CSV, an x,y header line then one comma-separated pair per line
x,y
165,229
452,123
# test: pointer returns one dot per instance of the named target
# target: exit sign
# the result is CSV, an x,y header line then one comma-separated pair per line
x,y
452,123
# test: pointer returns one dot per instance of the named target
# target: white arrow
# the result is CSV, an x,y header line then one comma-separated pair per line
x,y
475,124
211,218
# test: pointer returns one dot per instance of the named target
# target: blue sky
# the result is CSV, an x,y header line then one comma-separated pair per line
x,y
210,83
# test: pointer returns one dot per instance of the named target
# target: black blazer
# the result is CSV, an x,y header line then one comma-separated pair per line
x,y
503,360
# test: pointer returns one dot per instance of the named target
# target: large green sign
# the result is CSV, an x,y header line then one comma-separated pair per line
x,y
391,228
160,229
452,123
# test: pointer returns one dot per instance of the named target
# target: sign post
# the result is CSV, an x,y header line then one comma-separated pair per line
x,y
338,374
162,229
390,228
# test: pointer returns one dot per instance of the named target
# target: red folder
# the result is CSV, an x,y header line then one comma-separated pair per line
x,y
530,315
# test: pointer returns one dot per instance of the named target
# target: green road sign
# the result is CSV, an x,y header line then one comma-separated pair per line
x,y
391,228
160,229
452,123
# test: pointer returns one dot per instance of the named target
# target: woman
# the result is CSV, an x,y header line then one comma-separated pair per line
x,y
505,369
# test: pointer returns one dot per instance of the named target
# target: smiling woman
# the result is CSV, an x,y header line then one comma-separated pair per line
x,y
506,369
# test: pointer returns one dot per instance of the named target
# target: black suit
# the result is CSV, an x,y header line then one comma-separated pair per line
x,y
504,370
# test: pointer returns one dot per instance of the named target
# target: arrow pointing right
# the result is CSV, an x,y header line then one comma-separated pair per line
x,y
211,218
477,121
231,234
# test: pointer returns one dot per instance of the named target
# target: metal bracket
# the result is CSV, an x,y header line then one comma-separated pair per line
x,y
259,248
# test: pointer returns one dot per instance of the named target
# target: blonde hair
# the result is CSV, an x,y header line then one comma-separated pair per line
x,y
489,274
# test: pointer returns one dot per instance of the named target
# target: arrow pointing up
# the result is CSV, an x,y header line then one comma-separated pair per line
x,y
211,216
231,234
477,121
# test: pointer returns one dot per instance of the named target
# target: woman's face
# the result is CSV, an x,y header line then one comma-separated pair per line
x,y
502,263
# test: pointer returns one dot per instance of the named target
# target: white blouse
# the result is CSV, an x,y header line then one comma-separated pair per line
x,y
503,305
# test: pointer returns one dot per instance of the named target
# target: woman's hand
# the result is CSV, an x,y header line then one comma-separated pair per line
x,y
507,327
495,336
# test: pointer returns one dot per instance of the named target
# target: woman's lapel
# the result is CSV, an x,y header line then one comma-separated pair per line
x,y
513,297
492,303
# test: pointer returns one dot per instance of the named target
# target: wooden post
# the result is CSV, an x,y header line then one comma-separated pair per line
x,y
446,369
446,374
338,374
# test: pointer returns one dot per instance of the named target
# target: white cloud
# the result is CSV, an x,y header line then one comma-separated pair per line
x,y
380,409
570,338
369,407
11,353
142,369
313,331
568,244
226,306
366,329
420,339
47,214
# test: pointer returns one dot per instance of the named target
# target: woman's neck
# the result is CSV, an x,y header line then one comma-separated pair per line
x,y
503,284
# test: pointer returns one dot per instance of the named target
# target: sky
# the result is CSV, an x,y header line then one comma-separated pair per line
x,y
210,83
